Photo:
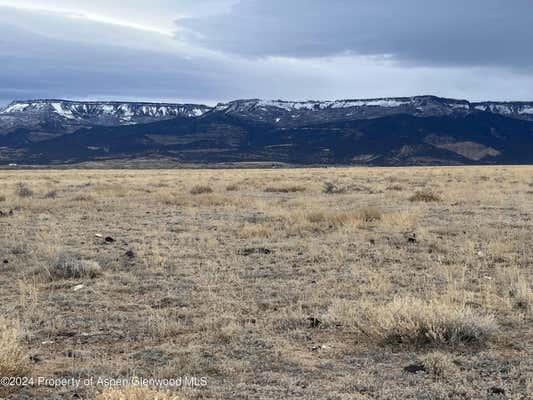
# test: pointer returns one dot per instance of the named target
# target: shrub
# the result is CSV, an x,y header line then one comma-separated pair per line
x,y
395,187
198,189
83,197
23,190
425,196
285,189
52,194
232,188
2,197
370,214
521,293
337,219
438,364
331,188
412,321
68,266
136,393
12,356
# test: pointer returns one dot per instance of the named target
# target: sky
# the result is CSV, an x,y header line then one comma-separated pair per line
x,y
210,51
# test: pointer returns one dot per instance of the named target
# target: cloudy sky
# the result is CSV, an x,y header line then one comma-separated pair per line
x,y
217,50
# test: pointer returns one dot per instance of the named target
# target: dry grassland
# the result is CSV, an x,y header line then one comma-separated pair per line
x,y
338,283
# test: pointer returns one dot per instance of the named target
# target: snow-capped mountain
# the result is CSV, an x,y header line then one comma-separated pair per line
x,y
101,113
68,116
293,113
422,130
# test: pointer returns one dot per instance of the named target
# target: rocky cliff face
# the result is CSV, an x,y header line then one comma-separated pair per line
x,y
292,113
69,115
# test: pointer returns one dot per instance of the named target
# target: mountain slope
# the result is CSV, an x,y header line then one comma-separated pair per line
x,y
45,118
476,138
388,131
292,113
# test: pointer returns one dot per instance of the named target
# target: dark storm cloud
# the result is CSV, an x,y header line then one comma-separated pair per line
x,y
292,49
452,32
40,57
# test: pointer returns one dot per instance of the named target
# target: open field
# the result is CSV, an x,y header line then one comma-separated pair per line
x,y
333,283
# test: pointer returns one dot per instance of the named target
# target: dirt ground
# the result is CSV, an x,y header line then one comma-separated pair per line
x,y
327,283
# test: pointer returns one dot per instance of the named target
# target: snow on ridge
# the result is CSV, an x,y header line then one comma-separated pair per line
x,y
123,110
16,107
64,112
321,105
370,103
526,110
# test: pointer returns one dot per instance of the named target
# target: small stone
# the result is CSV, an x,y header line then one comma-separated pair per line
x,y
314,322
98,235
6,262
130,254
497,390
414,368
78,287
36,358
109,239
319,347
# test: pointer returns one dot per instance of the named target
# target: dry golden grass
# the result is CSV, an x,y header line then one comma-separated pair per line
x,y
13,362
198,189
135,393
425,196
274,283
69,266
412,321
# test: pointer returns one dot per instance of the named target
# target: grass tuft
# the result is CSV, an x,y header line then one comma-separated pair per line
x,y
22,190
285,189
12,355
199,189
438,364
331,188
425,196
68,266
413,321
135,393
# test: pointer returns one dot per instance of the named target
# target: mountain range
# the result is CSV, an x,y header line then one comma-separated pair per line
x,y
420,130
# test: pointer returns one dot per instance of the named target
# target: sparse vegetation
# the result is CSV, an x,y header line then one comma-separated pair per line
x,y
261,290
23,190
199,189
82,197
371,214
12,356
52,194
65,265
425,196
136,393
285,189
415,322
331,188
439,364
